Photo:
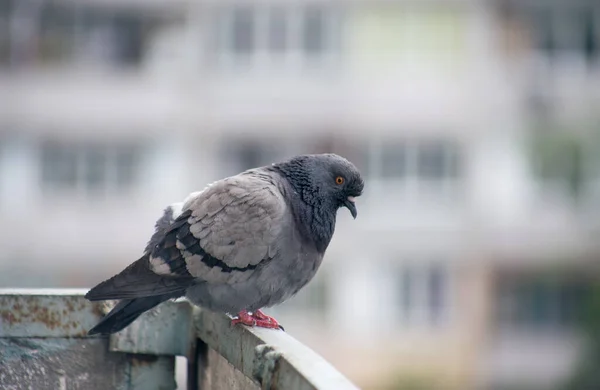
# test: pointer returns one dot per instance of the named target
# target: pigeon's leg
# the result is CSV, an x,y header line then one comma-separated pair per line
x,y
269,321
243,318
256,319
260,315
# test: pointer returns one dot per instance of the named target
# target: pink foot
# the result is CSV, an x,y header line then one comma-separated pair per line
x,y
259,315
243,318
257,318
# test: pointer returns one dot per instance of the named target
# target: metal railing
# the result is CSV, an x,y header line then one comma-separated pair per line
x,y
44,345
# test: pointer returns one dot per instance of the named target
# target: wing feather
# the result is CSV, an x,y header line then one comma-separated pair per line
x,y
225,232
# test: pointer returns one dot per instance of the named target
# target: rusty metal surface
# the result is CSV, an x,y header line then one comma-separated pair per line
x,y
43,345
165,330
46,313
271,357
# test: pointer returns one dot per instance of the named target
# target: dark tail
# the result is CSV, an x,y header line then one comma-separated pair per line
x,y
127,311
138,281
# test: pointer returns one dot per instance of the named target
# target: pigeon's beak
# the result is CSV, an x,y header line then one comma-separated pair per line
x,y
349,203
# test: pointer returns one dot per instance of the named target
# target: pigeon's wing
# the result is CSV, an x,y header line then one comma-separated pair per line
x,y
225,232
138,279
219,235
162,225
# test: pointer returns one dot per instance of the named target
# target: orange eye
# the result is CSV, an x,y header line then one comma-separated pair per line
x,y
339,180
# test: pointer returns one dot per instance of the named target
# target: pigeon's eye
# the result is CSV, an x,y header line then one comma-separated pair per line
x,y
339,180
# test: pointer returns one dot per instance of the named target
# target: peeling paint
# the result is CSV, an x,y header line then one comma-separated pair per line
x,y
42,315
43,345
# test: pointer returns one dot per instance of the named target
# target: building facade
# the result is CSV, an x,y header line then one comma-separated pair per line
x,y
111,110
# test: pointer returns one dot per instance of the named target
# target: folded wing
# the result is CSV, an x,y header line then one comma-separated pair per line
x,y
225,232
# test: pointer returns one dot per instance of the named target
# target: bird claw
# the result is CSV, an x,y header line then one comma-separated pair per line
x,y
243,318
257,318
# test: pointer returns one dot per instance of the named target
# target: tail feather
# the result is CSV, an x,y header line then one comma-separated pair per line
x,y
127,311
137,281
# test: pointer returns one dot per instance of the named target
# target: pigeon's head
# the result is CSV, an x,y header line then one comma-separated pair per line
x,y
328,180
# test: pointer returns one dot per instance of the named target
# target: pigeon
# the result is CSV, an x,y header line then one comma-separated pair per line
x,y
244,243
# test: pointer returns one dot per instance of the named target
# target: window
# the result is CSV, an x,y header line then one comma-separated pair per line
x,y
242,154
126,163
330,141
65,33
6,7
436,289
572,29
560,163
528,302
108,38
89,168
313,299
431,161
243,30
275,33
59,166
95,168
407,287
315,296
423,293
72,34
394,160
278,30
314,34
389,35
591,45
253,155
423,160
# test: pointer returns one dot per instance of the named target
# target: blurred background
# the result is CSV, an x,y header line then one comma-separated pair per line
x,y
473,263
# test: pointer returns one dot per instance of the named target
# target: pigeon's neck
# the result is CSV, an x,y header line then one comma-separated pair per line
x,y
314,214
318,220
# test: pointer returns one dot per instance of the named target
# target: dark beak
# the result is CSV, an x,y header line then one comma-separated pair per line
x,y
349,204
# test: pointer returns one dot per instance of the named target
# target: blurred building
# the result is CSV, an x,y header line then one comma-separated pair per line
x,y
473,244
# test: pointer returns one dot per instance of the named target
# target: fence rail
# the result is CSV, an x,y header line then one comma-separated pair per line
x,y
43,345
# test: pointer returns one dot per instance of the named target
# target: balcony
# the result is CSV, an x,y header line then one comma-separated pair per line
x,y
108,102
44,345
